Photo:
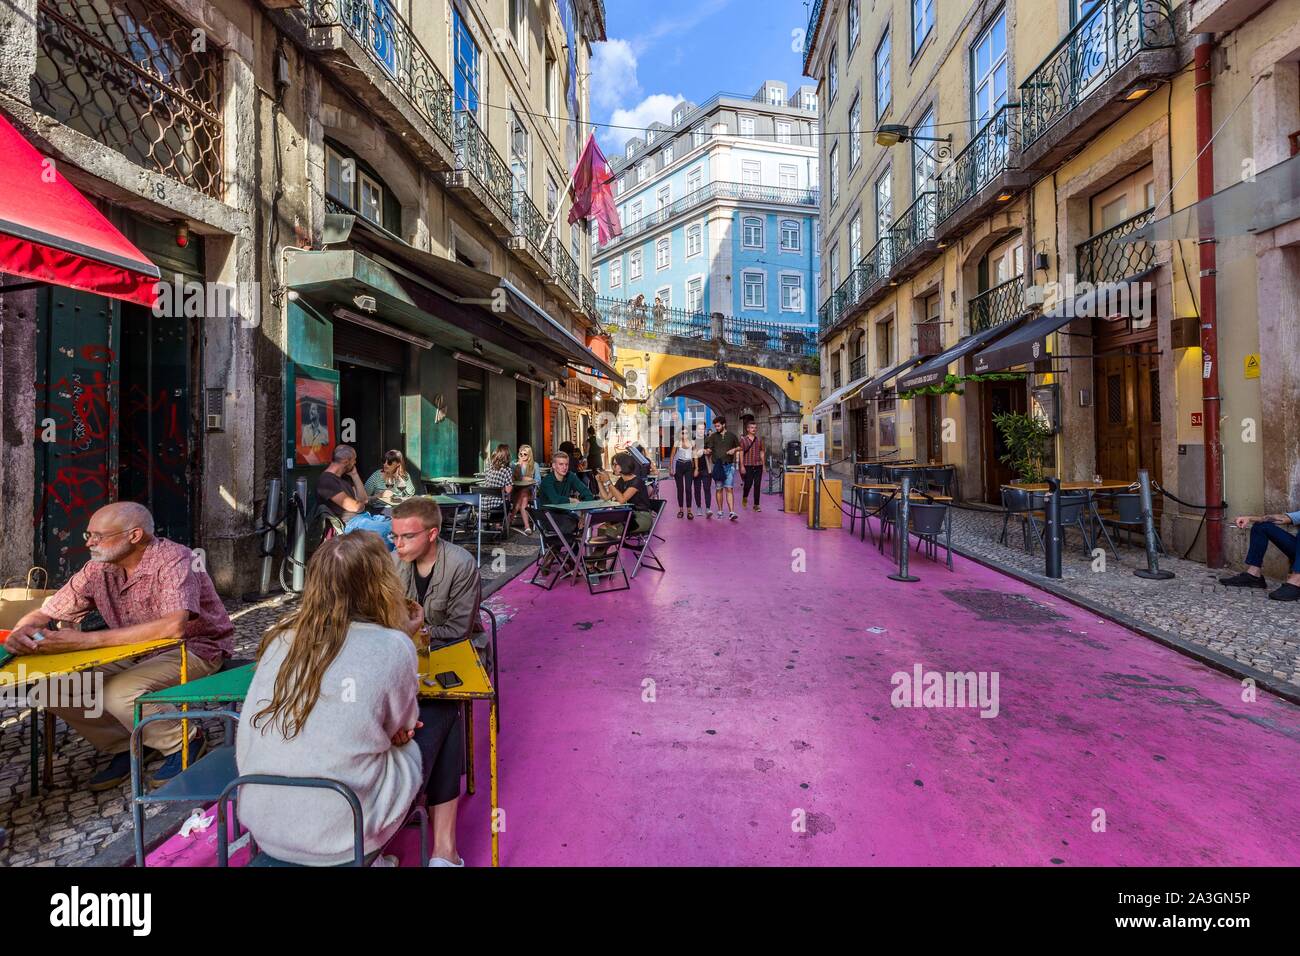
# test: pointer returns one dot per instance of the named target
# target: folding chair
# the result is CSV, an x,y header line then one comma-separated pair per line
x,y
599,558
640,544
556,556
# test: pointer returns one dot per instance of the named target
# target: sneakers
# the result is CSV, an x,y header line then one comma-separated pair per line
x,y
735,517
117,772
708,515
1244,580
1286,592
172,765
439,861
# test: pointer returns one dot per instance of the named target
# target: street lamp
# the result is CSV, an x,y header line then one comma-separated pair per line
x,y
891,134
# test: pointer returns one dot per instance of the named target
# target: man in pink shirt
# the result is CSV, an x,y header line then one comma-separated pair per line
x,y
146,589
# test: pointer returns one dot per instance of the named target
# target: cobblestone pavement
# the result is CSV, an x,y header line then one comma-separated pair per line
x,y
65,825
1237,623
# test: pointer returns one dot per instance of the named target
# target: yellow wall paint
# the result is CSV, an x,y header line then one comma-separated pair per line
x,y
661,367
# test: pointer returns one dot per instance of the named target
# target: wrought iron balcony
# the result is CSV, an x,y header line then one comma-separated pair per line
x,y
589,302
567,274
391,45
810,34
647,319
989,153
128,76
491,180
742,192
1002,303
1106,257
857,368
1108,37
837,379
772,336
914,227
862,282
530,225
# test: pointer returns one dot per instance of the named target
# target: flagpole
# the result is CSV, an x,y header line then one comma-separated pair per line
x,y
573,174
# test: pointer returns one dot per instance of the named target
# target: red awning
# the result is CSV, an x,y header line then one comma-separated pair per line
x,y
49,231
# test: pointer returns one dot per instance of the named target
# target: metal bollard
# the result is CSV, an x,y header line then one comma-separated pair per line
x,y
1152,571
817,498
270,517
300,537
1053,528
904,531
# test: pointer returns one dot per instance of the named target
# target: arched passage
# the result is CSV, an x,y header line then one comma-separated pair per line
x,y
733,392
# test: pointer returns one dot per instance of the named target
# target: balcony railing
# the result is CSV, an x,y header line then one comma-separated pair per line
x,y
477,156
528,221
566,268
390,43
987,155
915,226
130,76
653,320
1002,303
589,301
863,279
1108,37
1106,257
773,336
857,368
743,192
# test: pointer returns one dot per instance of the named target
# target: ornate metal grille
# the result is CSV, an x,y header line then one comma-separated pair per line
x,y
529,221
985,156
914,226
126,73
752,333
481,160
566,269
1002,303
1106,257
1111,34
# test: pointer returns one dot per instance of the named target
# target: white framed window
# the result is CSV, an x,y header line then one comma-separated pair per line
x,y
634,266
664,196
465,57
884,205
517,11
746,125
621,185
835,173
694,240
754,284
835,267
791,292
679,114
695,294
650,136
808,100
833,75
791,235
663,254
552,90
989,71
922,157
668,154
855,132
697,137
552,195
370,198
884,86
922,22
855,22
643,172
693,179
634,211
817,237
519,153
664,296
783,130
752,232
789,176
340,177
855,241
616,273
751,172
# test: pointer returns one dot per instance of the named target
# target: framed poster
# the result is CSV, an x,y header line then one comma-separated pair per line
x,y
313,414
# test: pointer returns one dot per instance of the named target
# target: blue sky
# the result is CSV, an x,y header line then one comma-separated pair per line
x,y
661,51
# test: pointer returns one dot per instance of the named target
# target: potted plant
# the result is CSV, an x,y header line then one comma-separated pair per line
x,y
1024,436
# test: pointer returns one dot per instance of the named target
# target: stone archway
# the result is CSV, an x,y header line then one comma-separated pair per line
x,y
733,392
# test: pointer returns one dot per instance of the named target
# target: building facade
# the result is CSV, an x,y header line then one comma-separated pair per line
x,y
720,210
1002,189
370,187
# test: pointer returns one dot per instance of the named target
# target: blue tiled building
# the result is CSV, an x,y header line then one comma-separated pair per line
x,y
720,210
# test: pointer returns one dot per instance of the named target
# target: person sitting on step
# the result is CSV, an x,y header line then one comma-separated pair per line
x,y
1266,530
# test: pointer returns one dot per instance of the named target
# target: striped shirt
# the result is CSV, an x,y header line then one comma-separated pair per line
x,y
752,452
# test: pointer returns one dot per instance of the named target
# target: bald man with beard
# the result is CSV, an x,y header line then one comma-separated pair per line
x,y
146,588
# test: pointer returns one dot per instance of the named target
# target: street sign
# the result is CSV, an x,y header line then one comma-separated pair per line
x,y
813,449
1198,419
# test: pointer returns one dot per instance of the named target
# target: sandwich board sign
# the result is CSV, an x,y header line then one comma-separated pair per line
x,y
813,450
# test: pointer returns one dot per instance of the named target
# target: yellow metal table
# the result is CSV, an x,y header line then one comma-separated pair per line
x,y
463,659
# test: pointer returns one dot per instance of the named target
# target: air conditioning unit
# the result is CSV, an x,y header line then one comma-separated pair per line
x,y
637,388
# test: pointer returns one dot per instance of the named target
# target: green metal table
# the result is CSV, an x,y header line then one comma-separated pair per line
x,y
224,687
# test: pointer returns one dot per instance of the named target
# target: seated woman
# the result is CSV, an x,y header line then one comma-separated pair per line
x,y
334,695
628,488
496,485
527,476
391,483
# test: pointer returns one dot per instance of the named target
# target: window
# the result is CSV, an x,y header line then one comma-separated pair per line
x,y
634,266
754,283
817,238
835,173
620,185
694,240
370,199
695,294
775,95
634,211
883,86
616,273
922,157
752,232
833,77
679,114
697,137
466,54
517,13
855,23
664,196
552,195
855,132
885,342
668,155
782,131
791,235
835,267
884,205
989,70
791,293
663,254
922,22
855,241
356,189
789,176
575,241
552,90
809,101
747,126
751,172
664,295
518,153
643,172
693,180
650,136
812,134
340,177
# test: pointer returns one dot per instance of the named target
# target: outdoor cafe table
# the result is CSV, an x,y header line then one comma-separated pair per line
x,y
1111,485
581,509
919,497
27,669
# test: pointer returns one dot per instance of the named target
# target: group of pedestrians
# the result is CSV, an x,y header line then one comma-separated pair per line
x,y
698,466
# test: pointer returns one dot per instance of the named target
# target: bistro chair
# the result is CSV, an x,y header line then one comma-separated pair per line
x,y
494,518
928,522
1020,504
599,556
1075,511
939,480
557,555
888,519
871,500
1127,515
875,474
640,543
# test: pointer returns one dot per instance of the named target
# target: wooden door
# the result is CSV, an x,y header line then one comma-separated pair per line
x,y
1127,389
998,397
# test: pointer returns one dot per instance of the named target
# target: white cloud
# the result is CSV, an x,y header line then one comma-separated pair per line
x,y
613,74
657,107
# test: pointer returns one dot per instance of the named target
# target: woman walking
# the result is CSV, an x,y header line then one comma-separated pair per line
x,y
683,466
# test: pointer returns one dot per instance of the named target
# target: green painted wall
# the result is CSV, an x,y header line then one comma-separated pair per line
x,y
432,439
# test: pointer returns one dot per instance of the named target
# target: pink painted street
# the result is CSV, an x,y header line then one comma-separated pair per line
x,y
771,697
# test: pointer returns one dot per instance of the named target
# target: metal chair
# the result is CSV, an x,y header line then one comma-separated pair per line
x,y
875,474
557,555
1128,516
871,500
1018,503
1075,511
888,520
642,548
939,480
600,556
927,521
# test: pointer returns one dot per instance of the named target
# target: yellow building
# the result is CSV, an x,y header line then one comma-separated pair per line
x,y
997,179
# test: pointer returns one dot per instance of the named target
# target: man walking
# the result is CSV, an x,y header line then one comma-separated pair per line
x,y
1266,530
753,454
724,447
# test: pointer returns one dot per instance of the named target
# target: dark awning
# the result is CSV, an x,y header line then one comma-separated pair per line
x,y
934,370
886,376
1026,344
841,394
52,233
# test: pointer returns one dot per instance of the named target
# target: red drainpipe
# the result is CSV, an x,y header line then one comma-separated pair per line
x,y
1211,402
